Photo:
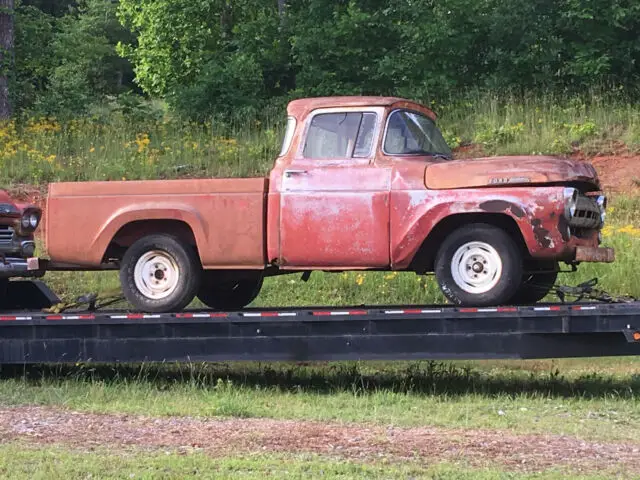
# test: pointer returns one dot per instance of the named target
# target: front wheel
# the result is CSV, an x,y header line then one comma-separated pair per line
x,y
159,273
478,265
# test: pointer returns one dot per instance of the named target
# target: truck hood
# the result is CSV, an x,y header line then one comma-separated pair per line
x,y
7,206
511,170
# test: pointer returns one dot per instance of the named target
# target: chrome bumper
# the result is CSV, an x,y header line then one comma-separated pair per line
x,y
20,267
595,254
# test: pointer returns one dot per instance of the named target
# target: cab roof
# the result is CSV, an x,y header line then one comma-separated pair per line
x,y
301,107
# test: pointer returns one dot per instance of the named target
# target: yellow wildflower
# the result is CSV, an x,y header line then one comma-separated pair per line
x,y
630,229
142,140
359,279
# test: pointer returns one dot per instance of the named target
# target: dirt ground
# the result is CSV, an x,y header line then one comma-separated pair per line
x,y
218,437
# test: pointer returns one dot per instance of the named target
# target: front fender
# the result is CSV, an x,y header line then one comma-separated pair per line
x,y
537,211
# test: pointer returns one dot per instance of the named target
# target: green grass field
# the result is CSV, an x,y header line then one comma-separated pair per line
x,y
52,463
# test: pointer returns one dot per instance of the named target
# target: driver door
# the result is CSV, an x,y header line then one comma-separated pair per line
x,y
334,198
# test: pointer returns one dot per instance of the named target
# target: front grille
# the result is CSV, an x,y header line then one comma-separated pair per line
x,y
6,236
587,214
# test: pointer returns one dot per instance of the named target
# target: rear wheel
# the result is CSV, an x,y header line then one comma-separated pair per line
x,y
228,294
535,286
479,265
159,273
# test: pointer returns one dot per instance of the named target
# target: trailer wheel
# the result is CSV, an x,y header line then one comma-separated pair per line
x,y
534,287
228,294
159,273
478,265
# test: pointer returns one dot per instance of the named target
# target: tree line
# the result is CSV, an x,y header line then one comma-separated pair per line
x,y
214,57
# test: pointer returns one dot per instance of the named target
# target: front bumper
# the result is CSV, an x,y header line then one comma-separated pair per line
x,y
20,267
594,254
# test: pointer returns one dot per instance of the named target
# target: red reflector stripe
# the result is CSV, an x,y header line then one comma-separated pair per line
x,y
322,313
468,310
507,309
135,315
358,312
554,308
412,311
53,317
7,318
269,314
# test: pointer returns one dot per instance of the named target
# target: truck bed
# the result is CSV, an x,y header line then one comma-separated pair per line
x,y
226,217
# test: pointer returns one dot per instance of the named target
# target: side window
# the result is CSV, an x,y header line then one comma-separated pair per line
x,y
340,135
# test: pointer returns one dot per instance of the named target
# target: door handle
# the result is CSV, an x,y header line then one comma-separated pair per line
x,y
291,173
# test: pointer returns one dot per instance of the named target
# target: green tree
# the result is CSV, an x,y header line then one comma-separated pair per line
x,y
6,55
205,56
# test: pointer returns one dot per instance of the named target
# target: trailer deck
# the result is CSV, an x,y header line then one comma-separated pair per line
x,y
320,333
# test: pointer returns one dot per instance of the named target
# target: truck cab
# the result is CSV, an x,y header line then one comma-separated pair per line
x,y
361,183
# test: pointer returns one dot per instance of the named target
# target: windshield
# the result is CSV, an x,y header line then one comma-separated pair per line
x,y
409,133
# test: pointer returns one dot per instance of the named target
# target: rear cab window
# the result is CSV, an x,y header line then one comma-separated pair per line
x,y
340,135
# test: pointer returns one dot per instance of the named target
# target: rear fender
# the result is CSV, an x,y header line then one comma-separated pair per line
x,y
150,211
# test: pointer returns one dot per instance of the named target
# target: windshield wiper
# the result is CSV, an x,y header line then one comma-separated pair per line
x,y
431,154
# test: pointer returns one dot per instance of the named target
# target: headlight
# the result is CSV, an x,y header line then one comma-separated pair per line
x,y
570,202
33,220
602,206
29,221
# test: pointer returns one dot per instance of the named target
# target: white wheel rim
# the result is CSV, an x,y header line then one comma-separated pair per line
x,y
156,274
476,267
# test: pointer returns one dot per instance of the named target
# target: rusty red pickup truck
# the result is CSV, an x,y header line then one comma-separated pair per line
x,y
361,183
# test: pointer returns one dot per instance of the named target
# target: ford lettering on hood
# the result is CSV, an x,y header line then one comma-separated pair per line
x,y
509,170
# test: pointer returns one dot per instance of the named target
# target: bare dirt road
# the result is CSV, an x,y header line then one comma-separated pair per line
x,y
217,437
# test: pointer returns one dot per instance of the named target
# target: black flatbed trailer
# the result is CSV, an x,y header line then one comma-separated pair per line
x,y
320,333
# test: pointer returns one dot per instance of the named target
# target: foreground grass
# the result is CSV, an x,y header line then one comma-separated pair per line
x,y
570,398
53,462
115,148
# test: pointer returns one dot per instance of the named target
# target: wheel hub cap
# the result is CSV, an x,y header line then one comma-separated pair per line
x,y
476,267
156,274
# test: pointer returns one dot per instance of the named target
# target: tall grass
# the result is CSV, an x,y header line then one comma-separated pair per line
x,y
115,147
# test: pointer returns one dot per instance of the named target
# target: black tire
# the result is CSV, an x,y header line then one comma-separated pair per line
x,y
534,287
505,281
228,294
4,288
186,263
